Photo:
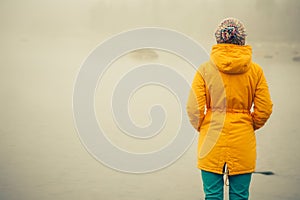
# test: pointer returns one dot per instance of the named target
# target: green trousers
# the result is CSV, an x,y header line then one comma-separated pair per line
x,y
213,185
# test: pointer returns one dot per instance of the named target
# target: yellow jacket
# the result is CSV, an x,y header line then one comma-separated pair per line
x,y
219,107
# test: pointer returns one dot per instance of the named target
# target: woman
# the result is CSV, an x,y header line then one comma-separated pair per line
x,y
228,101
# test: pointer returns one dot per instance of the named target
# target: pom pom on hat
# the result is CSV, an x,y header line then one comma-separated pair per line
x,y
231,31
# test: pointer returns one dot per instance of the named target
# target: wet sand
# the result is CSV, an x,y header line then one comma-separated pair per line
x,y
43,44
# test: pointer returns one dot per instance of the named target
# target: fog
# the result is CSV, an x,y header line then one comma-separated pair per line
x,y
43,45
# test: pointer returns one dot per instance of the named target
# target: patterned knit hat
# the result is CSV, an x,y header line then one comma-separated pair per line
x,y
231,31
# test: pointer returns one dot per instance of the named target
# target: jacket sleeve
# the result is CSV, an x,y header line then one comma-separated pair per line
x,y
262,102
197,101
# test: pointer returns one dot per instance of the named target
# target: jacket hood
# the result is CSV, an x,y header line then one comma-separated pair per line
x,y
231,58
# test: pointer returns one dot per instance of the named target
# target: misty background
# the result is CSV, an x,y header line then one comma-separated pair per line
x,y
44,43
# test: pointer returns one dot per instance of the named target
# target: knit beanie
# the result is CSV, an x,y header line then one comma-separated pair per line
x,y
231,31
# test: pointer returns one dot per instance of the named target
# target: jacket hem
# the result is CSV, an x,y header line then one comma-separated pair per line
x,y
232,173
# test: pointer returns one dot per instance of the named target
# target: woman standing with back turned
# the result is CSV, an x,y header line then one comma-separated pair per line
x,y
223,92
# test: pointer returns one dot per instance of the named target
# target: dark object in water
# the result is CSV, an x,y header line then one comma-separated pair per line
x,y
265,173
268,56
296,59
144,54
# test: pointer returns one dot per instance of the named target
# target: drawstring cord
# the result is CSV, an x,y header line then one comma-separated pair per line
x,y
226,173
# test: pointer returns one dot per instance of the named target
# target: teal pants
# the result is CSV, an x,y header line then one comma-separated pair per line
x,y
213,185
